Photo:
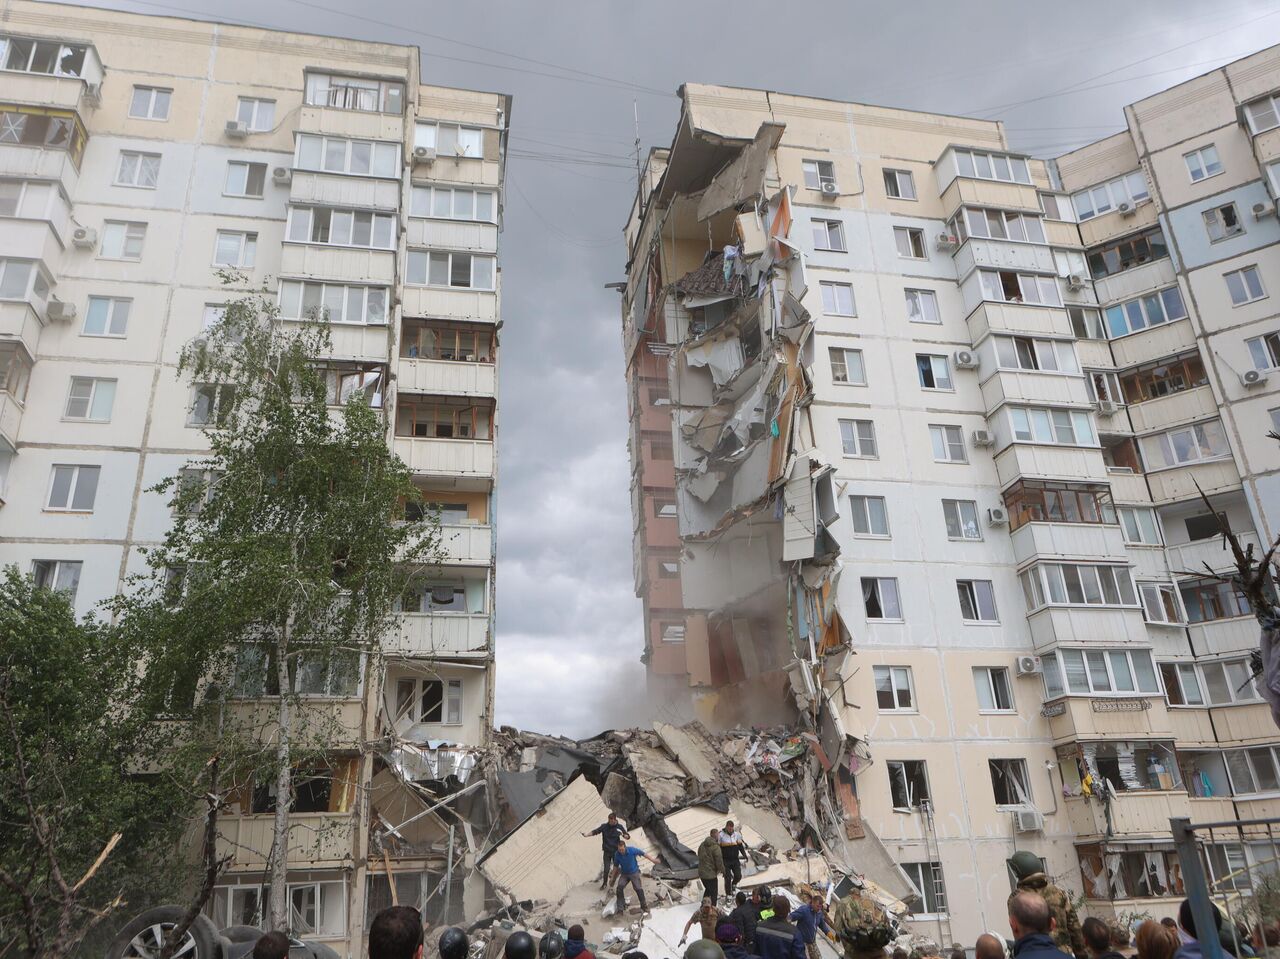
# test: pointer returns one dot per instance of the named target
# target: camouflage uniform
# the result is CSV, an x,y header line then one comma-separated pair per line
x,y
852,914
1066,932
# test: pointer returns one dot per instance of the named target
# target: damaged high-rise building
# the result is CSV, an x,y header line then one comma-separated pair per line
x,y
918,429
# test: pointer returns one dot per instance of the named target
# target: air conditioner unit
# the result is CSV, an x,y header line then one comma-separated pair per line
x,y
1252,378
93,94
1029,666
830,191
85,238
1126,209
1075,282
60,312
424,154
965,360
1107,407
237,129
281,175
983,438
997,516
1261,210
1028,820
947,241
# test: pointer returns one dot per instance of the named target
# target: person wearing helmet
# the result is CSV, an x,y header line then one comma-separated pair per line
x,y
520,945
776,938
1029,873
453,944
704,949
551,946
861,925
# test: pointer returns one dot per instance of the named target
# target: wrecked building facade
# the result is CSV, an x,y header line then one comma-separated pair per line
x,y
325,170
899,474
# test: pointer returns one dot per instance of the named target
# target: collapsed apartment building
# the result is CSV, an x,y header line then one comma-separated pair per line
x,y
918,429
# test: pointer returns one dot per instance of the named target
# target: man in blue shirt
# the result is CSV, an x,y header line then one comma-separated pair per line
x,y
626,867
809,919
611,833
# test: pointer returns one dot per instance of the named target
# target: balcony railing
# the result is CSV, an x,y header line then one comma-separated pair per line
x,y
314,838
447,457
439,634
1132,813
1172,410
447,377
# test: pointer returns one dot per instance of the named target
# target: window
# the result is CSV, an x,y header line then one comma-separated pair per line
x,y
211,404
1216,683
453,203
1205,526
1009,782
858,438
829,235
668,570
948,444
894,692
1207,600
16,280
1203,163
880,596
922,306
106,316
347,382
1189,444
1145,311
1038,501
1263,114
317,909
15,371
1251,771
449,139
245,179
1139,525
1077,585
997,225
355,93
910,242
899,184
926,878
1182,684
664,508
992,166
233,248
467,343
1265,351
1006,287
673,633
977,601
1160,603
459,270
337,155
818,173
1099,671
122,241
1223,222
1086,323
837,298
1025,353
334,301
994,692
869,516
150,103
1059,427
194,490
908,784
1056,207
140,170
1155,380
1108,196
961,517
1244,285
73,488
41,56
58,574
45,128
934,372
1121,255
342,227
257,115
430,701
90,399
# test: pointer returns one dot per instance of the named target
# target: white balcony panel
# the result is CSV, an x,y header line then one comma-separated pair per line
x,y
1222,636
1003,255
1108,226
357,124
1094,355
310,261
429,301
1149,562
331,189
970,191
1055,541
24,161
454,457
1030,461
453,235
1213,552
449,377
991,317
1131,283
1018,386
355,341
315,838
465,171
1186,482
18,321
1079,721
470,545
1154,343
1096,625
1130,814
43,89
1173,410
421,635
31,240
1128,488
10,421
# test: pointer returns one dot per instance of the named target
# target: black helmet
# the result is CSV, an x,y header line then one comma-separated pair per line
x,y
520,945
453,943
551,946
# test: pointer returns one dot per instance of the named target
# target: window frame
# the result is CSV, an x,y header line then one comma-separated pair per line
x,y
426,258
933,361
53,572
986,674
1118,190
128,234
928,895
255,123
386,149
249,168
304,216
921,297
95,383
247,248
892,674
152,100
911,238
895,176
1243,274
1166,595
971,588
285,294
1102,256
833,309
919,766
1037,418
1217,220
1040,585
219,405
860,439
824,172
109,319
1014,163
430,190
960,523
865,509
831,229
878,588
141,161
1014,764
1200,154
1140,312
951,438
1272,102
79,472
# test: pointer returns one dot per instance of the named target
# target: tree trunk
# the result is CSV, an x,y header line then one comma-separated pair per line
x,y
284,790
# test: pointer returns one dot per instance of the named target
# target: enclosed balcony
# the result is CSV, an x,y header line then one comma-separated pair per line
x,y
49,72
15,377
33,131
450,359
446,436
1038,461
443,614
443,302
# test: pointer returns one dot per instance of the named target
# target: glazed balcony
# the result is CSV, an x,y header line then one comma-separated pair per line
x,y
316,838
1132,813
1056,541
966,191
447,377
1185,482
1102,717
423,635
1108,226
337,264
1173,410
1034,461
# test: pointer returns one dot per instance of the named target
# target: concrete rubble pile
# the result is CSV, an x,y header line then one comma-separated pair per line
x,y
670,785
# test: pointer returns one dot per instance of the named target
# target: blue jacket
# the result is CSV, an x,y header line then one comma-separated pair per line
x,y
809,920
1191,949
1038,945
778,939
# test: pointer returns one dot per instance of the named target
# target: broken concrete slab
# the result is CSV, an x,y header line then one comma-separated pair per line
x,y
660,778
808,869
689,750
767,823
692,825
743,179
661,933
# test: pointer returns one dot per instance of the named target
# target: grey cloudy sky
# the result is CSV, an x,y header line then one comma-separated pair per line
x,y
1058,74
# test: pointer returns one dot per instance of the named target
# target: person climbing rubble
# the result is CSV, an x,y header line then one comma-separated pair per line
x,y
707,916
862,927
710,864
811,919
626,867
611,832
734,849
1029,872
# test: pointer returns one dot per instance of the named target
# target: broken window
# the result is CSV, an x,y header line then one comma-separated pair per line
x,y
664,508
1086,323
977,600
1121,255
869,516
908,785
1165,378
961,517
899,184
355,93
829,235
1130,766
317,909
1206,526
818,173
449,139
1223,222
444,419
934,372
926,878
1181,684
992,685
245,179
429,701
1008,287
846,366
894,691
426,596
922,306
673,632
62,575
837,298
1055,207
880,596
211,404
910,242
346,382
948,444
1010,783
858,438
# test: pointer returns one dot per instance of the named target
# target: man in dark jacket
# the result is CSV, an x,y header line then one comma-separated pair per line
x,y
776,938
730,939
611,833
1097,936
1031,923
745,916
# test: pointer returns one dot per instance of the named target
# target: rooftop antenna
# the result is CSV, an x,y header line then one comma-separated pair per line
x,y
635,109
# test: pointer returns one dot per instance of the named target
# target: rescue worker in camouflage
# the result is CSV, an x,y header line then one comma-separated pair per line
x,y
1029,871
861,925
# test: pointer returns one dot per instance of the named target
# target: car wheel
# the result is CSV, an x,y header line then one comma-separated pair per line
x,y
144,935
243,933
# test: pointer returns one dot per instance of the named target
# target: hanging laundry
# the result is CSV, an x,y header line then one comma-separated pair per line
x,y
730,254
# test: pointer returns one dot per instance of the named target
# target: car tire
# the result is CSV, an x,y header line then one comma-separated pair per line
x,y
143,935
242,933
